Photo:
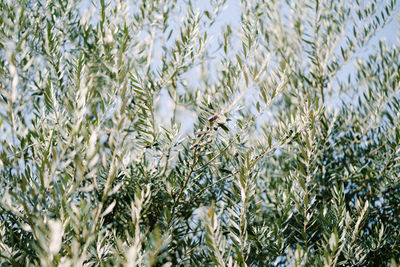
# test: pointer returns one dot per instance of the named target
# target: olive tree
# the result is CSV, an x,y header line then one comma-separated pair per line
x,y
199,133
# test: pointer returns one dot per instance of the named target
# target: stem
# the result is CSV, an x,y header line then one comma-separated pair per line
x,y
183,187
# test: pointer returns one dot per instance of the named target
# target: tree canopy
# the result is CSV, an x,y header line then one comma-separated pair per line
x,y
199,133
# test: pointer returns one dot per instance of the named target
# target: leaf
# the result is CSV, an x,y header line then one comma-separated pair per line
x,y
223,127
109,208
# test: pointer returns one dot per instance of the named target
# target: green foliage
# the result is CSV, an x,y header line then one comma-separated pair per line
x,y
152,133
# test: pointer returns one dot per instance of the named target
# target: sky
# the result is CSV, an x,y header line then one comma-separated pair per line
x,y
231,15
390,33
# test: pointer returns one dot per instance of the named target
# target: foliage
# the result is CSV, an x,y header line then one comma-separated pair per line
x,y
157,133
